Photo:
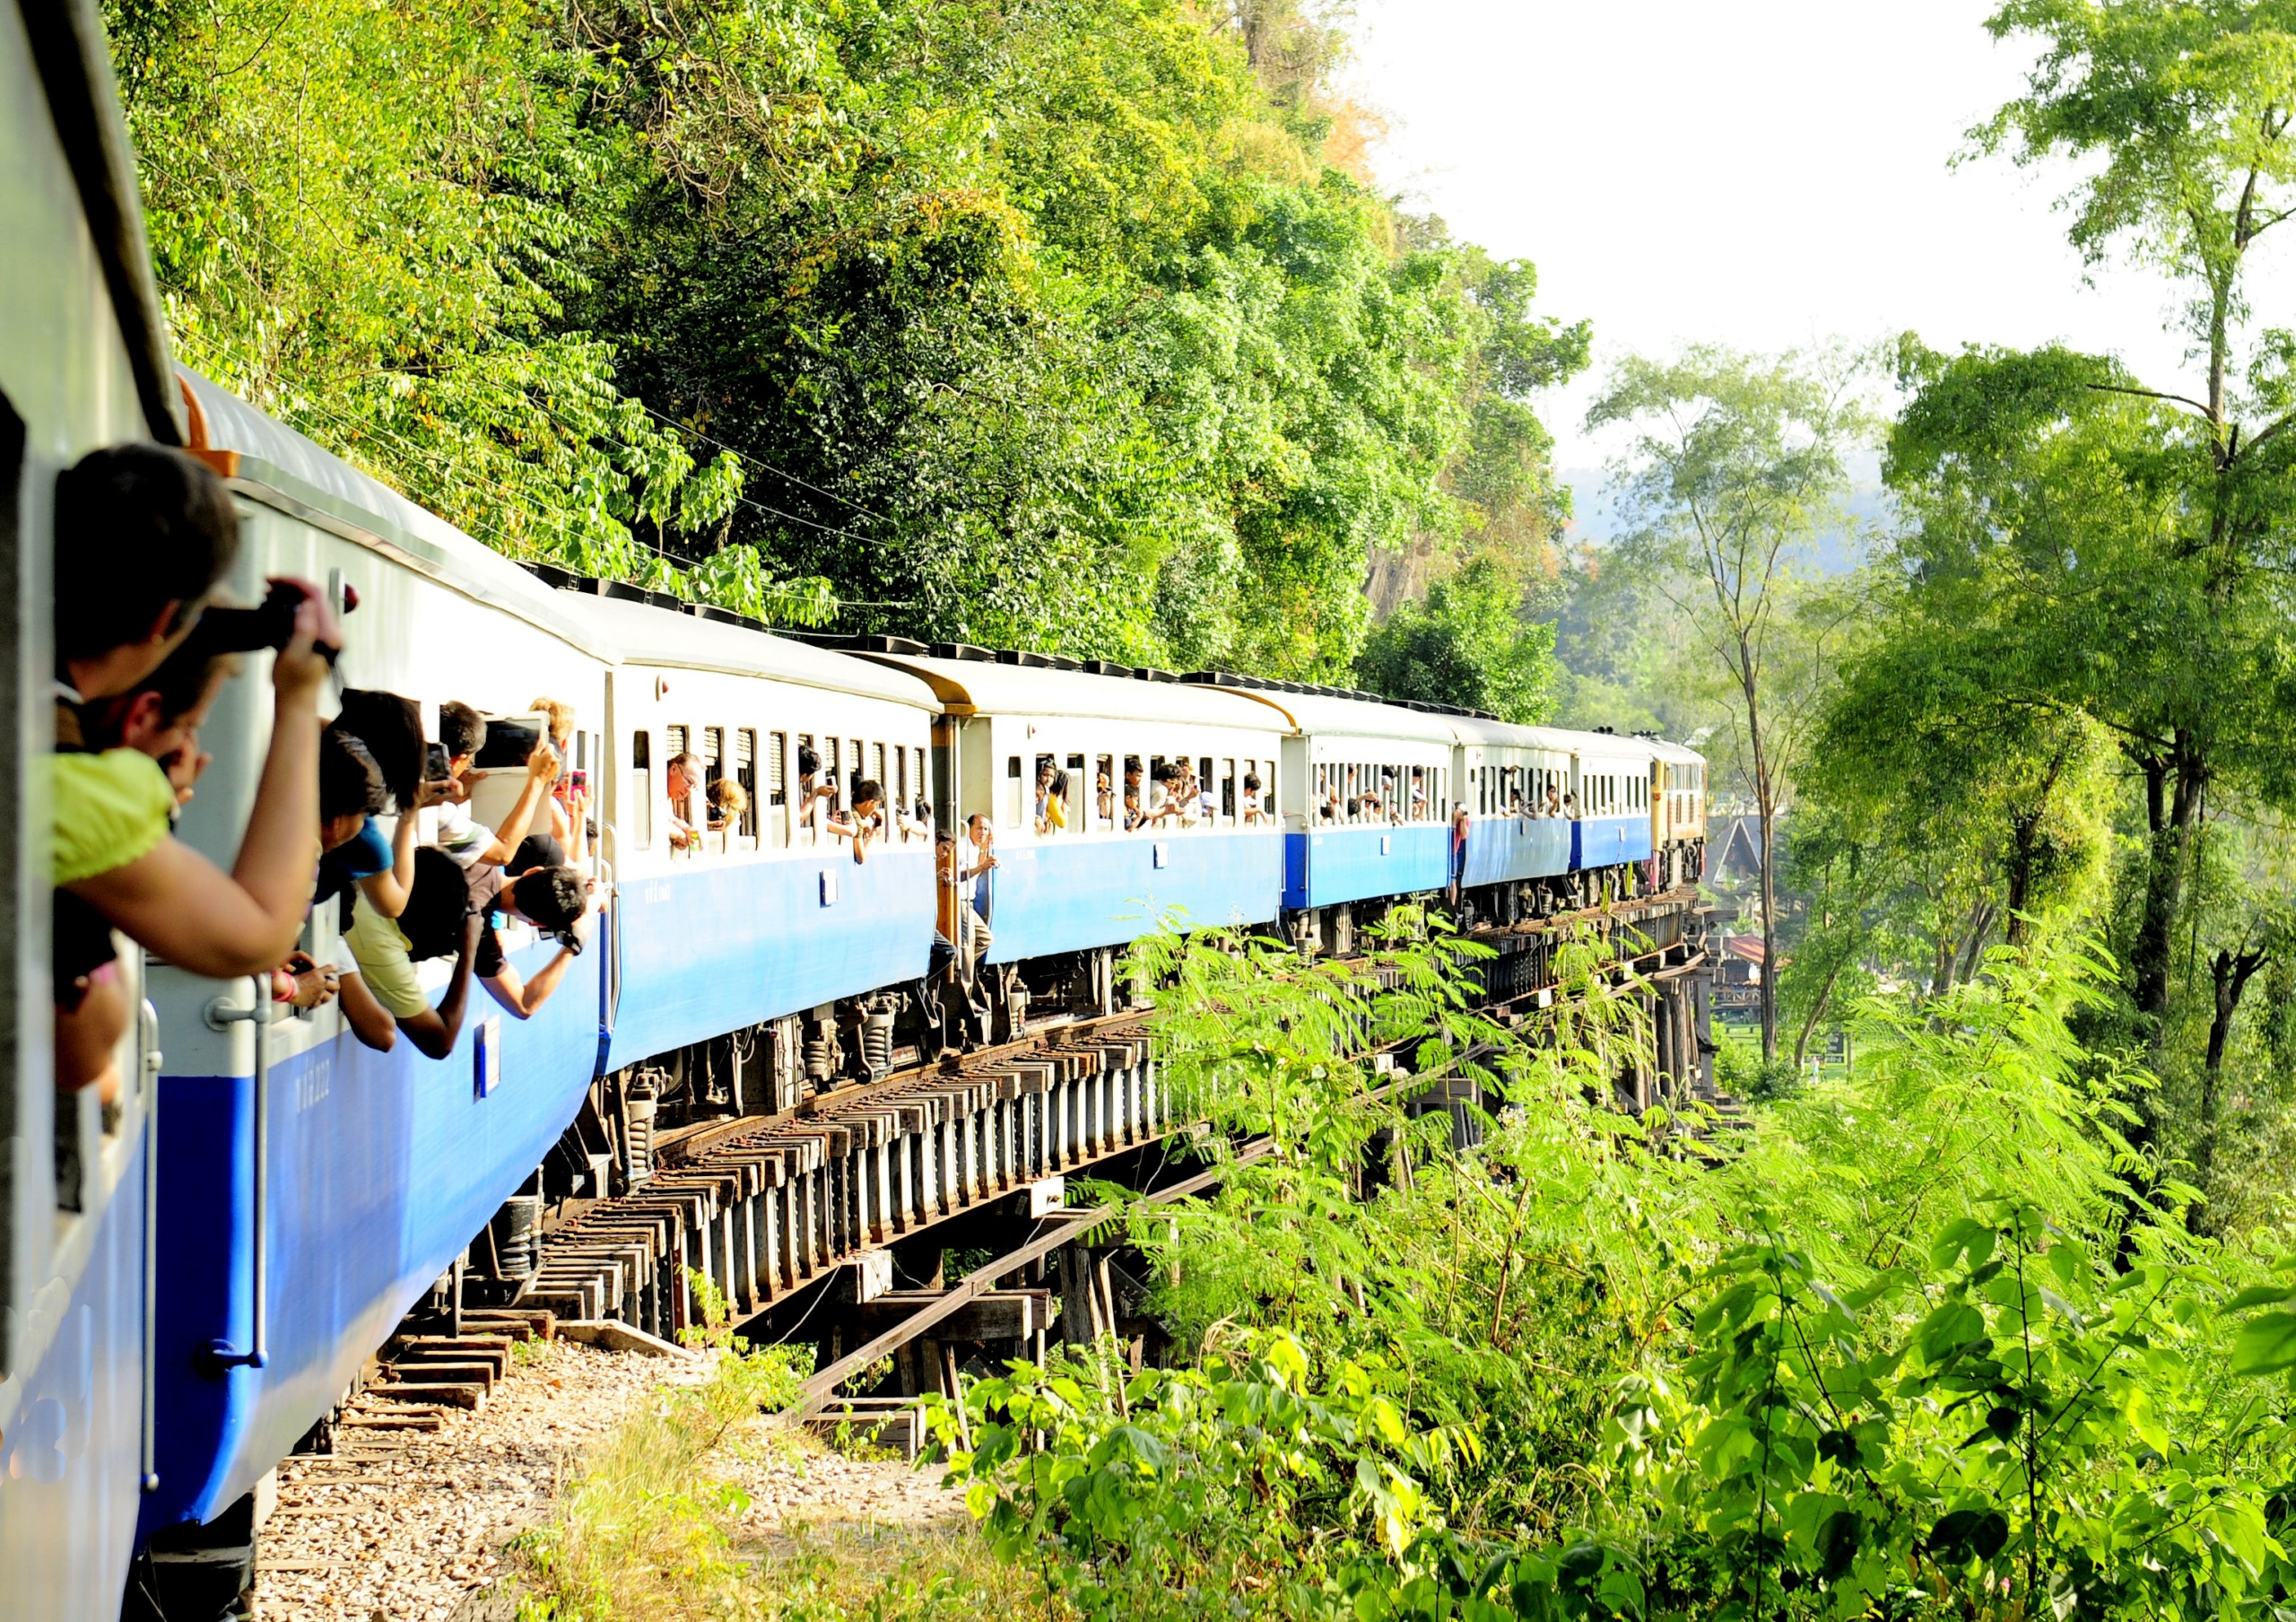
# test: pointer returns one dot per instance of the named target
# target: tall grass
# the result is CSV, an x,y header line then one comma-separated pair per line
x,y
650,1531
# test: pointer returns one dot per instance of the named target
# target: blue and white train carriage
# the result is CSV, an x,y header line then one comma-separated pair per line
x,y
83,363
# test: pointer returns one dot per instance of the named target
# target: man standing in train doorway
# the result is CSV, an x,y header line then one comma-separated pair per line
x,y
977,893
1462,824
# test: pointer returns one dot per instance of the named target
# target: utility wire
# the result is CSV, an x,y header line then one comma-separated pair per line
x,y
759,462
446,472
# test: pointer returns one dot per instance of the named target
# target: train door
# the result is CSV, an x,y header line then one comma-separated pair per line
x,y
946,776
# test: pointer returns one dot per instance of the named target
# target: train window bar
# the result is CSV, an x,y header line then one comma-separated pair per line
x,y
746,774
640,818
777,778
808,825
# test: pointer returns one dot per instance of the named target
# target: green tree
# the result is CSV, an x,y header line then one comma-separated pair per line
x,y
1735,466
2180,114
1467,645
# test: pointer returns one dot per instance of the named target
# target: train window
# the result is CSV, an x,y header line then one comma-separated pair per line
x,y
1015,789
1228,793
833,773
807,829
746,774
713,756
776,789
877,759
641,790
1104,793
918,776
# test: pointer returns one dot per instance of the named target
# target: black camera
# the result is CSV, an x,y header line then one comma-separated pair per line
x,y
434,762
244,630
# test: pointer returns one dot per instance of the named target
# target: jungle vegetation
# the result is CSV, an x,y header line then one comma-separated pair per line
x,y
1083,325
1075,324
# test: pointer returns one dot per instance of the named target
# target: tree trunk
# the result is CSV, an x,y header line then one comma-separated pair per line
x,y
2172,784
2230,973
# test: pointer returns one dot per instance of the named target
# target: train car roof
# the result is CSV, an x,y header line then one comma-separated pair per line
x,y
259,454
1509,735
977,686
645,633
1321,715
1680,753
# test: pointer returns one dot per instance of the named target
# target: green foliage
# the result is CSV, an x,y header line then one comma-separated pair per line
x,y
1466,646
1045,325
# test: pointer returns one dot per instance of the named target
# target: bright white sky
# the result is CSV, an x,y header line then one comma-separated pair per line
x,y
1763,173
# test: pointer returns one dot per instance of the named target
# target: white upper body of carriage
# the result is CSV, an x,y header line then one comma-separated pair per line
x,y
440,618
1502,765
1610,776
1104,739
1346,749
747,705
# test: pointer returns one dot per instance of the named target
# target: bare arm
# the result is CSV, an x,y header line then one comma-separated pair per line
x,y
275,866
434,1031
369,1021
181,905
541,766
524,997
387,892
193,914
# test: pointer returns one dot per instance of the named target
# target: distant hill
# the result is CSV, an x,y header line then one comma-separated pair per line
x,y
1597,520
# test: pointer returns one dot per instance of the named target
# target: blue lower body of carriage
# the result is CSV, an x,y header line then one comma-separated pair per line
x,y
71,1463
717,947
1322,868
381,1168
1605,841
1502,849
1071,897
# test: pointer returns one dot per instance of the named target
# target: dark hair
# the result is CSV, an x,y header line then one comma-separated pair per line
x,y
1251,780
551,898
137,526
867,789
180,680
350,783
437,902
461,728
923,812
808,763
391,727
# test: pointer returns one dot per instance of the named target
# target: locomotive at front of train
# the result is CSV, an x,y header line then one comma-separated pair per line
x,y
309,1188
83,364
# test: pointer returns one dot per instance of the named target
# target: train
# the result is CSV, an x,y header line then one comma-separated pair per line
x,y
197,1274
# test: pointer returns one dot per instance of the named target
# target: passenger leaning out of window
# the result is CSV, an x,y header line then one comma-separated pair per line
x,y
569,803
1052,800
142,534
447,914
462,733
866,823
727,801
684,775
1253,815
